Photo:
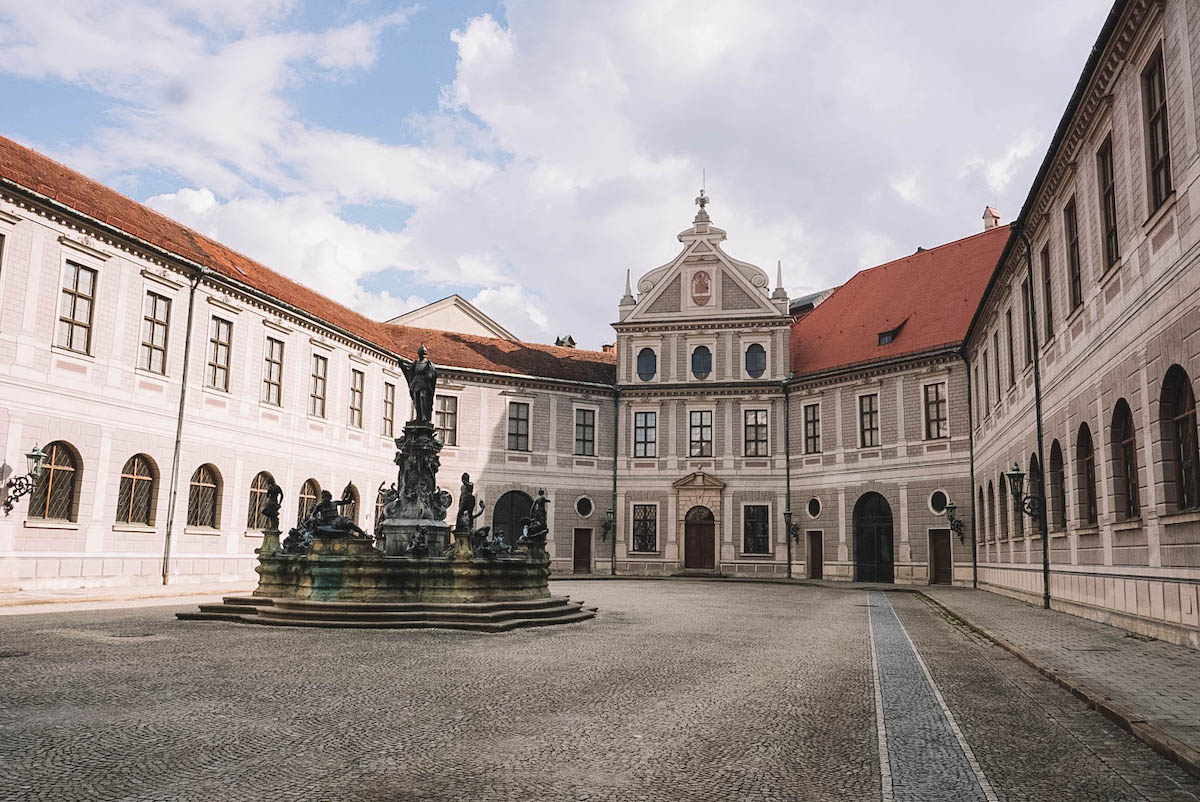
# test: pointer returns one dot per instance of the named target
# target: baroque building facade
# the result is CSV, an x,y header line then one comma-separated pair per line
x,y
168,378
1091,322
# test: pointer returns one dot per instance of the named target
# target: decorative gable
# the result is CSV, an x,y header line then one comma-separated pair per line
x,y
699,480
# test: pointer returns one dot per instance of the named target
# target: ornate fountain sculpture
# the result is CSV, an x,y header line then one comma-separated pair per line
x,y
416,517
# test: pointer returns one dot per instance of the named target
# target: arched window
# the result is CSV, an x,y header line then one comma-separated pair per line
x,y
204,498
1003,507
979,514
756,361
258,499
350,510
310,491
136,495
55,496
647,364
1177,407
1057,512
1125,469
991,510
1085,467
701,362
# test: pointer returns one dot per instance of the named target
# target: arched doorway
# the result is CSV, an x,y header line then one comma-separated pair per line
x,y
699,539
873,561
507,514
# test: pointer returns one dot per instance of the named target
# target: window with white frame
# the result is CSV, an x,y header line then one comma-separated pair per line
x,y
273,372
755,432
157,317
76,309
316,393
389,409
645,434
445,419
812,428
868,420
937,423
358,382
220,343
700,434
585,432
518,426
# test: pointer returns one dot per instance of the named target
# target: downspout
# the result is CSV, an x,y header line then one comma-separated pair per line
x,y
787,473
971,490
1037,405
616,440
187,359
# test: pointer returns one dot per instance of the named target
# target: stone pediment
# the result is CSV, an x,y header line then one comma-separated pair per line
x,y
699,480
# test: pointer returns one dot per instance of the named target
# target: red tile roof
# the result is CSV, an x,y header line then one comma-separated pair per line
x,y
33,171
931,295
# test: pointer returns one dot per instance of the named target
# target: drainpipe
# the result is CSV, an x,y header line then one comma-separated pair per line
x,y
616,424
1037,405
187,359
971,490
787,473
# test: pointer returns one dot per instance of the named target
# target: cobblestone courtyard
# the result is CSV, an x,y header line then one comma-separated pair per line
x,y
676,691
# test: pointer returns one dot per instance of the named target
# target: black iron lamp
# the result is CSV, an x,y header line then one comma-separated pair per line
x,y
1032,505
792,529
19,486
956,523
610,523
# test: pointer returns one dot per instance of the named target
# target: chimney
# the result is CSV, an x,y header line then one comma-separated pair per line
x,y
991,218
608,348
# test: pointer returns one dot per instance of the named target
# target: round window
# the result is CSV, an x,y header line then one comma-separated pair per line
x,y
756,361
701,362
583,506
647,364
937,502
814,507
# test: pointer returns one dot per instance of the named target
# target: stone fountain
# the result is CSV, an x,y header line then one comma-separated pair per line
x,y
414,572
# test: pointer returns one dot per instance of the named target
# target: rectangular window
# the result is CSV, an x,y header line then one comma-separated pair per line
x,y
316,395
357,382
645,434
937,424
518,426
756,432
812,428
756,531
1027,311
700,436
1074,268
978,406
1047,296
220,343
987,386
389,409
75,314
585,432
868,421
996,348
445,419
1158,145
155,321
273,372
1012,371
1108,202
645,524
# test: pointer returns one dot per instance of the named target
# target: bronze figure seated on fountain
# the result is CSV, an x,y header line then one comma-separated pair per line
x,y
324,520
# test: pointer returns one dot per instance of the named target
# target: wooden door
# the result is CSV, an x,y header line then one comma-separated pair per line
x,y
816,555
943,563
583,551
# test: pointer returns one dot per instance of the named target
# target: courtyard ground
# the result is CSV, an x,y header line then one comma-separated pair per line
x,y
676,691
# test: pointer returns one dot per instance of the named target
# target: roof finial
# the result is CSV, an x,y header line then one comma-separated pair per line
x,y
780,293
627,299
702,201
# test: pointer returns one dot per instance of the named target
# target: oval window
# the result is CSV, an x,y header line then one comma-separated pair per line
x,y
583,506
937,502
701,362
814,507
647,364
756,361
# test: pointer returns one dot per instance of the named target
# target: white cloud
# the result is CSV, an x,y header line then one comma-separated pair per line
x,y
570,142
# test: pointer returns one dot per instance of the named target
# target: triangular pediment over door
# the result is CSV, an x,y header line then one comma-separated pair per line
x,y
699,480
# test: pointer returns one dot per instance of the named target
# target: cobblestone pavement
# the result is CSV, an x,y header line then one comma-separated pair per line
x,y
676,691
1157,680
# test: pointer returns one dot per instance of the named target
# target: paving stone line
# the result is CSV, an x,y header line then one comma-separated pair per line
x,y
1095,683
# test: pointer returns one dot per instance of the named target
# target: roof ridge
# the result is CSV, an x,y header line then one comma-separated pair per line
x,y
932,250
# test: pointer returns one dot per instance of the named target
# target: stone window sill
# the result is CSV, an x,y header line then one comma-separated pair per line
x,y
140,528
201,530
67,352
645,553
1128,524
1110,271
745,556
1176,518
1084,531
1158,214
38,523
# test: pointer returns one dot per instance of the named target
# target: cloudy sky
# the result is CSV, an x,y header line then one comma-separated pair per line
x,y
525,154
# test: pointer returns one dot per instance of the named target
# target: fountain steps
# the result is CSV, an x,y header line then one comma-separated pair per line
x,y
478,617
